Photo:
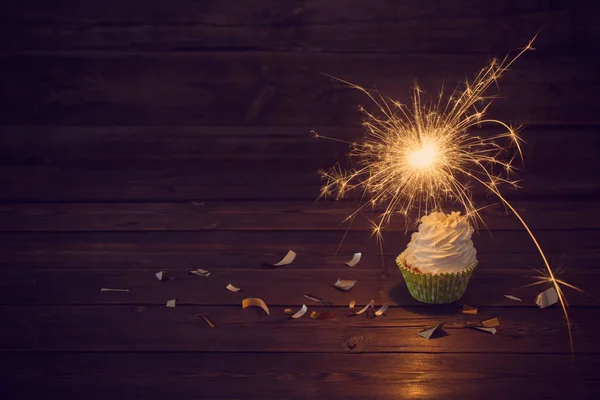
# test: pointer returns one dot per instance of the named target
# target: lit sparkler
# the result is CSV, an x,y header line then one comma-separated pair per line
x,y
417,157
543,277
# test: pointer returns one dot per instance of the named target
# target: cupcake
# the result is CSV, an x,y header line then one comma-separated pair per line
x,y
440,258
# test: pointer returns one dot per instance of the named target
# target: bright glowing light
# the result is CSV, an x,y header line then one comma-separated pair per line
x,y
424,157
417,157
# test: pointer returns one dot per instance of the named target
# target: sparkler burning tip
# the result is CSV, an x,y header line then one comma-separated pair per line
x,y
424,157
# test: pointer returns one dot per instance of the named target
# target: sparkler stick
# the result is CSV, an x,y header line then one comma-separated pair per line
x,y
416,157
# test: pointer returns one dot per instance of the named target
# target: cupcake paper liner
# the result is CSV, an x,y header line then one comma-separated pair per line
x,y
435,289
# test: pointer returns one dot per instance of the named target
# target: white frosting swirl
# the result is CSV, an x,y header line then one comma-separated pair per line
x,y
442,244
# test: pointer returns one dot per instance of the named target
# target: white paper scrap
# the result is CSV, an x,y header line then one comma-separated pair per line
x,y
255,302
467,309
490,330
345,285
297,314
232,288
113,290
289,257
381,311
160,275
510,296
427,333
547,298
172,303
200,272
491,323
355,260
362,310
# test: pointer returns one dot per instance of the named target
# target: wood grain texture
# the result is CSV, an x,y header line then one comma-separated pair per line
x,y
219,12
173,136
271,89
129,328
549,150
284,287
267,215
300,376
265,181
399,26
194,163
81,250
179,259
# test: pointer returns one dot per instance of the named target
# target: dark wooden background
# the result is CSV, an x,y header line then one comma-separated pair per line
x,y
169,135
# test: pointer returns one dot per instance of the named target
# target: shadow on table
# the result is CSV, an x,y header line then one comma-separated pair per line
x,y
399,295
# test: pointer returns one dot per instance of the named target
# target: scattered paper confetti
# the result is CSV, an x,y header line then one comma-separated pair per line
x,y
208,321
322,315
232,288
489,330
428,333
255,302
467,309
297,314
344,285
381,311
547,298
200,272
362,310
355,260
172,303
490,323
510,296
160,275
289,257
113,290
318,300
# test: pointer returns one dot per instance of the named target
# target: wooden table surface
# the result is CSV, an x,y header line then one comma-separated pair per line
x,y
176,135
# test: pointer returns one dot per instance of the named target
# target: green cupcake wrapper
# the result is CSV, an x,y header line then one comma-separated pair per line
x,y
436,289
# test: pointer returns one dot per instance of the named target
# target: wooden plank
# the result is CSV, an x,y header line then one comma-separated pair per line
x,y
126,328
277,287
153,163
401,26
241,181
176,146
179,259
300,376
550,150
186,249
261,12
270,88
253,216
77,184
